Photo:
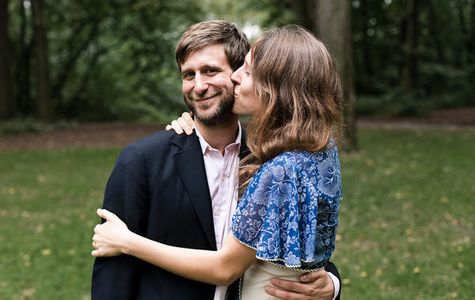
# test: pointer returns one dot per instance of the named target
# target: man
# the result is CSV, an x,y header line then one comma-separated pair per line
x,y
181,190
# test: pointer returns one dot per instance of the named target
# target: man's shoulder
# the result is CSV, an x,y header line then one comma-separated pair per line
x,y
157,139
160,142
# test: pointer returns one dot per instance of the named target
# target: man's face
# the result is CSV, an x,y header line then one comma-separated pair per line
x,y
207,86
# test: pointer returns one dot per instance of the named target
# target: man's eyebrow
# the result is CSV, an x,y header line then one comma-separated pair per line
x,y
212,67
183,71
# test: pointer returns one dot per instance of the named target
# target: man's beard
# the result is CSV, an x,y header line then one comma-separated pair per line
x,y
221,114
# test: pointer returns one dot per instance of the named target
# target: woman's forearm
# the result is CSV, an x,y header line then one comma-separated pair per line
x,y
213,267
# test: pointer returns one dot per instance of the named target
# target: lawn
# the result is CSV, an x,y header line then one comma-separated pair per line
x,y
406,222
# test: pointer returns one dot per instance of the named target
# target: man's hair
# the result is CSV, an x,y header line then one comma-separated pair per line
x,y
299,95
214,32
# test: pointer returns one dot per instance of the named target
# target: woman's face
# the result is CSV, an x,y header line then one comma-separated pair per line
x,y
245,97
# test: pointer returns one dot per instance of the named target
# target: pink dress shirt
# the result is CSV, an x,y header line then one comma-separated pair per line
x,y
222,175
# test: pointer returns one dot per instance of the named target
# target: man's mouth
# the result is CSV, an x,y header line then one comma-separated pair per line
x,y
205,98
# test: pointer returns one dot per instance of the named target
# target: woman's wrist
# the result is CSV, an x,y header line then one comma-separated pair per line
x,y
126,244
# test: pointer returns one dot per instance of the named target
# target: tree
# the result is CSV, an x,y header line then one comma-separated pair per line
x,y
44,107
411,72
331,21
22,87
6,100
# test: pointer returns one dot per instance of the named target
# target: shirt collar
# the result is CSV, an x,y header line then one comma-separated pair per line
x,y
204,144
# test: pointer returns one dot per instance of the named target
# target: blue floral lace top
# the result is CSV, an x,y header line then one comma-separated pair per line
x,y
289,211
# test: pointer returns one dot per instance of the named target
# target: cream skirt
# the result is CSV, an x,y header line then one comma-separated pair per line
x,y
258,276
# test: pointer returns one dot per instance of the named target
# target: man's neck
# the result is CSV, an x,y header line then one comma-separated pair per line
x,y
221,135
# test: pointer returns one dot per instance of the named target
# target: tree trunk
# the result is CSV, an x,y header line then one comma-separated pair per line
x,y
6,100
470,45
434,27
333,25
365,43
22,85
411,72
304,11
44,107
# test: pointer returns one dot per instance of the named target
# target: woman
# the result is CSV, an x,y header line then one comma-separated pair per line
x,y
286,219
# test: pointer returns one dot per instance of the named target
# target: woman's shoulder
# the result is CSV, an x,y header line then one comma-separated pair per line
x,y
302,158
320,169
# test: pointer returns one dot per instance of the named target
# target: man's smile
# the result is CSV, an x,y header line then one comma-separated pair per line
x,y
205,98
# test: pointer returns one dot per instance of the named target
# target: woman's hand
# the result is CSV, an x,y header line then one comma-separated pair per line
x,y
183,123
110,238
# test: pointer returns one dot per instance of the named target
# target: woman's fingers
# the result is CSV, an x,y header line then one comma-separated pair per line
x,y
188,117
106,215
177,127
185,125
99,253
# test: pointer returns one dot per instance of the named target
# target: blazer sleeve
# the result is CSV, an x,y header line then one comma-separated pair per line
x,y
331,267
126,195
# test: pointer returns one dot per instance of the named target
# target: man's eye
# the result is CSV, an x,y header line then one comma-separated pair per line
x,y
188,76
211,72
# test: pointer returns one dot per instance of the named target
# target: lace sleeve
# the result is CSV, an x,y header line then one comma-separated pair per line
x,y
289,211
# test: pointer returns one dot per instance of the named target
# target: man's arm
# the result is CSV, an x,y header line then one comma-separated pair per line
x,y
314,285
334,275
126,196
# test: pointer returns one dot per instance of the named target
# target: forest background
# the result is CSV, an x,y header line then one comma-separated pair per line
x,y
75,61
76,78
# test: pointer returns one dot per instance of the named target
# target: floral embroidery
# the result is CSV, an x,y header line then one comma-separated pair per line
x,y
289,212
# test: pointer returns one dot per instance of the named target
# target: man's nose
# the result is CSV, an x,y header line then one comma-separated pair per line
x,y
201,84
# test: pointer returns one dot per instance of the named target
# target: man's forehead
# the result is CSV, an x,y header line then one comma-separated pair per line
x,y
213,55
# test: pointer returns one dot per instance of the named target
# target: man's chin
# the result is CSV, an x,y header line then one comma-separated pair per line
x,y
216,118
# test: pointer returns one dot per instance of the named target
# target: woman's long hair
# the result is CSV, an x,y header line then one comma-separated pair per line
x,y
299,94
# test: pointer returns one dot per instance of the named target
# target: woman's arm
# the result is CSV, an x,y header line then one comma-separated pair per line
x,y
215,267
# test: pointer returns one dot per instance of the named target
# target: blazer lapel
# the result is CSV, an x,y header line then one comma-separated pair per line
x,y
244,151
190,165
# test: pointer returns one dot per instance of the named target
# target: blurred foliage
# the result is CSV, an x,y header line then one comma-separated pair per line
x,y
114,59
111,59
21,125
445,54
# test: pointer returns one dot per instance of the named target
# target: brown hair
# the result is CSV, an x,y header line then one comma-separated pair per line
x,y
214,32
299,94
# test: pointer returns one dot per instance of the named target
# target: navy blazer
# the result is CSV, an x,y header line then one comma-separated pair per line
x,y
158,187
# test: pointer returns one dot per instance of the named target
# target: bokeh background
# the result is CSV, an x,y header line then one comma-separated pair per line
x,y
81,79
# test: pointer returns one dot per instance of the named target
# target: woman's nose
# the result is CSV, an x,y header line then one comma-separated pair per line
x,y
235,77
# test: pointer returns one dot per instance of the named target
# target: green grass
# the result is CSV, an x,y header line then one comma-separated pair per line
x,y
406,222
47,205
